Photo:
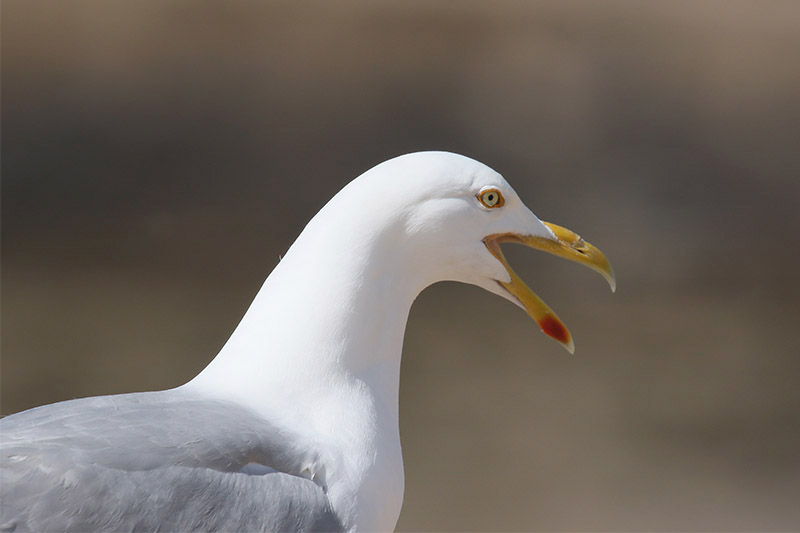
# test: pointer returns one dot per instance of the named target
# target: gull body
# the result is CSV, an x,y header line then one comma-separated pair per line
x,y
314,362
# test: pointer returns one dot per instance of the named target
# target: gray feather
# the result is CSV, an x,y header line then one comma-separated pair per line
x,y
157,461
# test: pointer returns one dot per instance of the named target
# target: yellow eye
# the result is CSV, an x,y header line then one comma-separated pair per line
x,y
491,198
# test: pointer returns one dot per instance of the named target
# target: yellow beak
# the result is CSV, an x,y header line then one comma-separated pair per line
x,y
568,245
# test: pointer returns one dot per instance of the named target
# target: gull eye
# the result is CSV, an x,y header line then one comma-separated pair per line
x,y
491,198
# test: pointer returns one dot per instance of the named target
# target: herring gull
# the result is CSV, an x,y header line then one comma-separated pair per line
x,y
294,424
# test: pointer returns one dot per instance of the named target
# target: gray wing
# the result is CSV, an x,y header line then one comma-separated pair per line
x,y
161,461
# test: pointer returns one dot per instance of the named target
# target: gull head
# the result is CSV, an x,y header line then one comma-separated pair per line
x,y
449,214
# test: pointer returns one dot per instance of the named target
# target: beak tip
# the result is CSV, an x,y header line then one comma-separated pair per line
x,y
610,278
569,346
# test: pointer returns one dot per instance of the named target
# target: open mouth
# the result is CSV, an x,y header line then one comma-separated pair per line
x,y
568,245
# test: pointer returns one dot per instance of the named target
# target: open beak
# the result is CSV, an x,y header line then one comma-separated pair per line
x,y
568,245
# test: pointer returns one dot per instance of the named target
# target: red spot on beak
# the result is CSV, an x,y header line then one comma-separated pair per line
x,y
554,328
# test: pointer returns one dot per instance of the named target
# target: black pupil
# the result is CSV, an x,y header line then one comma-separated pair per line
x,y
490,197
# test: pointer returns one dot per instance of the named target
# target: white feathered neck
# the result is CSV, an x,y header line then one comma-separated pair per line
x,y
319,349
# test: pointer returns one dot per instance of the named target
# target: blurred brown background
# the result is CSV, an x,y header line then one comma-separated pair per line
x,y
157,157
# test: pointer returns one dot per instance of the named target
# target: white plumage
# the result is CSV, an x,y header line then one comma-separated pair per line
x,y
306,389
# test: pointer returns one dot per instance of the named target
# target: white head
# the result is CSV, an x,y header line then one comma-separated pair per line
x,y
447,215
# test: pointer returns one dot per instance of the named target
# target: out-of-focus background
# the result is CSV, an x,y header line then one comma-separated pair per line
x,y
159,156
